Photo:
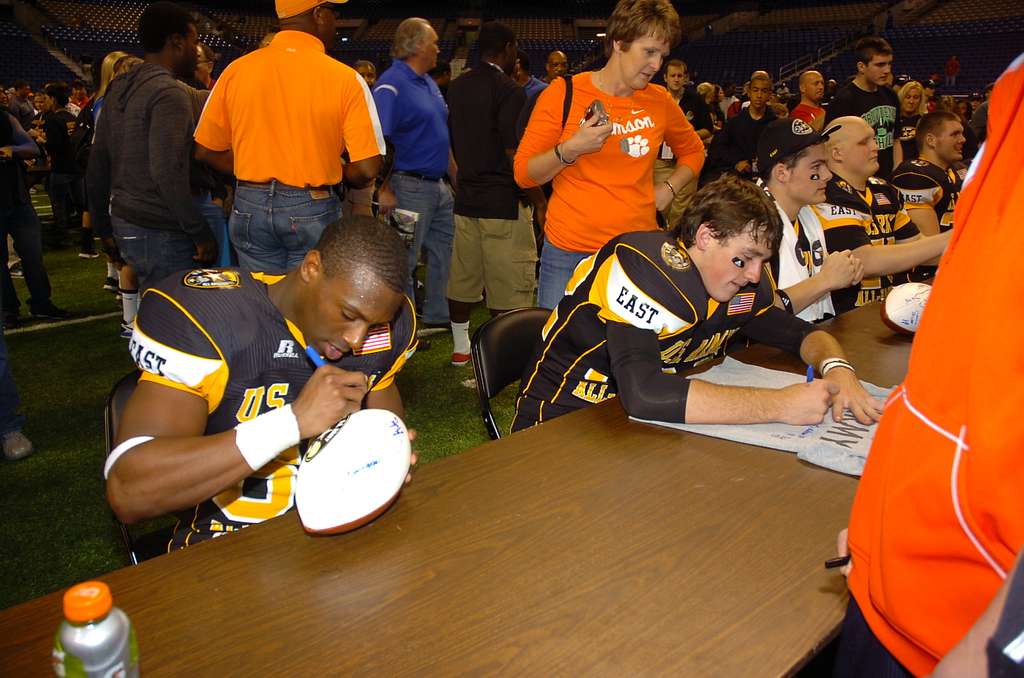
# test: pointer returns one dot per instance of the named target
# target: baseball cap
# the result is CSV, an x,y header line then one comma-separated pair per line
x,y
785,137
287,8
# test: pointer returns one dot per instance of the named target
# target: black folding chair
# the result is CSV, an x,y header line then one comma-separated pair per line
x,y
149,544
501,348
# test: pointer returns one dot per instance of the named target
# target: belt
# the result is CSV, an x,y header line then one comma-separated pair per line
x,y
325,187
417,175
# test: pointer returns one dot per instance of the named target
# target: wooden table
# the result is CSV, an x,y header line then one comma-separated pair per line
x,y
590,545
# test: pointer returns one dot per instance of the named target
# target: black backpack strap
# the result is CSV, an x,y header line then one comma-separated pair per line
x,y
567,101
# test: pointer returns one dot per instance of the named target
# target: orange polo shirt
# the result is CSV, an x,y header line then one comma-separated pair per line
x,y
610,192
939,515
287,111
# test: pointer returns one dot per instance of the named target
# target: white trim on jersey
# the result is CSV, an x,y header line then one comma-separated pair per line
x,y
378,130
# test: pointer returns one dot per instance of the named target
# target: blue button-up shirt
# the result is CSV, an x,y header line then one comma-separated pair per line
x,y
414,116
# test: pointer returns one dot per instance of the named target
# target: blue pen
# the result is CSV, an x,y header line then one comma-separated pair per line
x,y
315,356
810,372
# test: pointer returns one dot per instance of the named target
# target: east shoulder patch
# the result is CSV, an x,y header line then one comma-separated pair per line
x,y
212,279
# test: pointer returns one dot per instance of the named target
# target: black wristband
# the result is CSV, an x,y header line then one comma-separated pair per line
x,y
787,303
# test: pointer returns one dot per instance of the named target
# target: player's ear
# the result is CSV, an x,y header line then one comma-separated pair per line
x,y
703,237
312,267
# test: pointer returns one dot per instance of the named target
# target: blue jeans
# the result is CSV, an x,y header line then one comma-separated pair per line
x,y
214,216
153,253
21,223
10,420
556,267
272,226
435,232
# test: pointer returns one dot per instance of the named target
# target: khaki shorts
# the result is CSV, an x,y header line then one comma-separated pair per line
x,y
496,256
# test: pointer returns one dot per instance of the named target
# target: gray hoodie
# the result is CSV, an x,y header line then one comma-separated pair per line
x,y
139,161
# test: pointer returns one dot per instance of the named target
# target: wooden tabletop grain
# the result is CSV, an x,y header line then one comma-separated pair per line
x,y
588,545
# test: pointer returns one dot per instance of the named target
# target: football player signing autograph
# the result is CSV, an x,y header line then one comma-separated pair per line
x,y
651,303
227,391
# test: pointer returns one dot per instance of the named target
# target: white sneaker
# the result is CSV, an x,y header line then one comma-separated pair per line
x,y
17,446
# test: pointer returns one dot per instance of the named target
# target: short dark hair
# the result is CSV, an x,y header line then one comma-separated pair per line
x,y
76,84
870,45
362,242
524,60
494,38
58,91
731,206
18,84
161,20
931,123
678,63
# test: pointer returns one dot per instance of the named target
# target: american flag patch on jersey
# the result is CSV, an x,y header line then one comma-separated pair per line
x,y
377,339
881,199
741,303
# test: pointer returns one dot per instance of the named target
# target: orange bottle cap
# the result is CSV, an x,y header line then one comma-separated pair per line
x,y
88,601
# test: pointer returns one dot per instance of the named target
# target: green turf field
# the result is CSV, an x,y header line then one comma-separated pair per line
x,y
55,526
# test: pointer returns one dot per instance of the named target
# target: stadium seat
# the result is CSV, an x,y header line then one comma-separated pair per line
x,y
501,348
146,545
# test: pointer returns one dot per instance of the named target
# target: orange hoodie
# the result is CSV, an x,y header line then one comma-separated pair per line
x,y
939,514
610,192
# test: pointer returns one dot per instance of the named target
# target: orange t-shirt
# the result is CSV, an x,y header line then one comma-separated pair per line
x,y
287,111
939,514
610,192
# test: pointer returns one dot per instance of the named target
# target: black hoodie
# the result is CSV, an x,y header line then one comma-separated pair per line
x,y
139,162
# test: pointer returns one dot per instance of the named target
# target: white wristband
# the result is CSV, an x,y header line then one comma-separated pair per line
x,y
268,435
116,453
833,363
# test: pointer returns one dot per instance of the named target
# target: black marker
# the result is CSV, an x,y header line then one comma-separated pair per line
x,y
832,563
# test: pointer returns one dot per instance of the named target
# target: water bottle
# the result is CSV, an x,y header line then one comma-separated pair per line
x,y
96,639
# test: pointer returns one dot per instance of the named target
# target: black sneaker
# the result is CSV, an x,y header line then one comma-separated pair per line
x,y
50,312
16,271
11,320
110,284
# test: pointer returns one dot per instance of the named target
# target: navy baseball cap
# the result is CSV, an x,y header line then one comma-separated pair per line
x,y
785,137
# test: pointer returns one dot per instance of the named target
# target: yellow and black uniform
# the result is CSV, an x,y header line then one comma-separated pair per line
x,y
216,334
926,186
851,219
635,313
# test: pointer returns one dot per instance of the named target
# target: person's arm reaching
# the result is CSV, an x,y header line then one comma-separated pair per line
x,y
648,393
900,257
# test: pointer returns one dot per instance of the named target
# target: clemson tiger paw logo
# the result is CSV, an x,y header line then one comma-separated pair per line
x,y
637,146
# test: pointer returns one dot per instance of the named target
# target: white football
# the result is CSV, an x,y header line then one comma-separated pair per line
x,y
904,306
352,472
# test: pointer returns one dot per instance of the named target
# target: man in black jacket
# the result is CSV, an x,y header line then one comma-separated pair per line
x,y
139,163
735,147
